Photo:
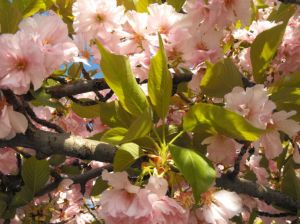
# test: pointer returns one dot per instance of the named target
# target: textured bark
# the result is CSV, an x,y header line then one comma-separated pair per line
x,y
49,143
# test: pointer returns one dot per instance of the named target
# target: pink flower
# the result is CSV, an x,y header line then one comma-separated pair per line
x,y
219,207
253,104
260,172
162,17
21,63
50,33
11,123
134,33
288,56
271,144
230,11
281,122
8,161
255,28
270,141
221,149
126,203
93,16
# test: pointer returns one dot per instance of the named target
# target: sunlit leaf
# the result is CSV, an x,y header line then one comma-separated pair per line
x,y
160,82
217,120
118,75
126,155
198,173
220,78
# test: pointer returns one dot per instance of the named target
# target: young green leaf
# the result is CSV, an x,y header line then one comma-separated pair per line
x,y
22,197
264,48
99,187
217,120
160,82
198,173
142,5
118,75
86,111
287,98
283,13
126,155
35,173
177,4
30,7
220,78
114,135
140,127
290,182
10,16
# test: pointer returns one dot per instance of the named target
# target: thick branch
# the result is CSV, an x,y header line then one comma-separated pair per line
x,y
49,143
265,194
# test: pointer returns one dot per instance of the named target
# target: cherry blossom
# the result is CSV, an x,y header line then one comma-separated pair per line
x,y
219,207
221,149
21,63
51,34
253,104
11,123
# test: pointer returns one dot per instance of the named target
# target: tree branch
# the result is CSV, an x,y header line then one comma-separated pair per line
x,y
265,194
84,86
78,179
50,143
290,1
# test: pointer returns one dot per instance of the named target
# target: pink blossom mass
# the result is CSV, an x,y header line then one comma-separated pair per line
x,y
149,111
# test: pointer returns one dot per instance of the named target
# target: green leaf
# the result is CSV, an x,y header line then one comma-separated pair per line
x,y
114,135
283,13
142,5
3,206
220,78
177,4
286,93
264,49
140,127
160,82
126,155
35,173
128,4
291,80
22,197
56,160
30,7
217,120
118,75
10,16
290,182
86,111
71,170
114,115
198,173
99,187
42,98
75,70
287,98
